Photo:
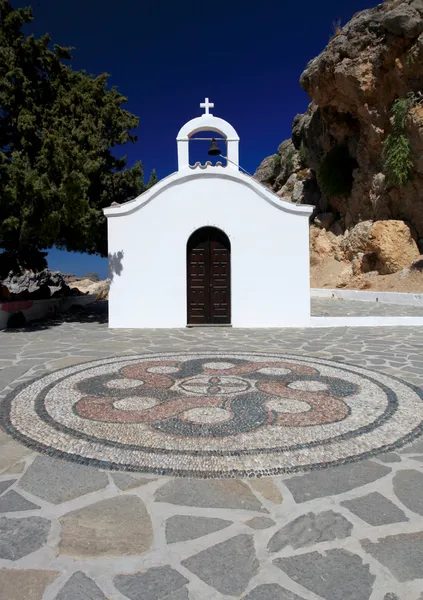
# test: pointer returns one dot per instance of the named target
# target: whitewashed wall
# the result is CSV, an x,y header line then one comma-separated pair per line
x,y
269,251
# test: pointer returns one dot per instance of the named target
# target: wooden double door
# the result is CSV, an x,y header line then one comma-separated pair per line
x,y
209,266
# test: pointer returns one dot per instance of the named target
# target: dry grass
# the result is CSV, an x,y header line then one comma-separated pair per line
x,y
336,28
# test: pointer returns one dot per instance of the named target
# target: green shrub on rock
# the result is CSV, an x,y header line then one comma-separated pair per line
x,y
398,162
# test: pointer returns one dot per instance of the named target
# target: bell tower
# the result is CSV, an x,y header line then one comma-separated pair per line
x,y
208,122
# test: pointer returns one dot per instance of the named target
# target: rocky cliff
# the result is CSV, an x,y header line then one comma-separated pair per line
x,y
357,153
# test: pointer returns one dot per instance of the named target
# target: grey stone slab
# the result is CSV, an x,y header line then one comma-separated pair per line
x,y
181,528
311,529
389,457
402,554
271,591
336,480
4,485
260,523
20,537
408,487
228,566
336,575
231,493
124,481
58,481
14,502
155,584
413,448
118,526
80,587
181,594
9,374
375,509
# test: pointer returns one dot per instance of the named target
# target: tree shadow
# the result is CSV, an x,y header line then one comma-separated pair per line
x,y
115,265
97,312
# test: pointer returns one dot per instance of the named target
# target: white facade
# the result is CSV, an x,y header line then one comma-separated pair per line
x,y
269,244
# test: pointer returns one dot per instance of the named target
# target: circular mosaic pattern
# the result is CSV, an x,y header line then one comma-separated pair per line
x,y
214,415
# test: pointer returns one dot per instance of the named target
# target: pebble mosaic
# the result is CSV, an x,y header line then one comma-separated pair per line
x,y
214,415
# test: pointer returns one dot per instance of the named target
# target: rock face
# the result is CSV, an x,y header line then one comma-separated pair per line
x,y
35,286
353,83
334,160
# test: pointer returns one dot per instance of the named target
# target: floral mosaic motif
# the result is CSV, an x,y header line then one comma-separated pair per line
x,y
213,414
202,398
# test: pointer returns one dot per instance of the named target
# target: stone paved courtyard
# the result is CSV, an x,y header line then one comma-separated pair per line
x,y
69,531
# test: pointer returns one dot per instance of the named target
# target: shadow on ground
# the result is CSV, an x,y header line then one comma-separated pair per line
x,y
92,313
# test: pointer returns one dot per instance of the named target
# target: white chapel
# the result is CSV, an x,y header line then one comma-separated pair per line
x,y
208,245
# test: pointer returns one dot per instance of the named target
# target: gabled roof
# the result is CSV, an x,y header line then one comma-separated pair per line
x,y
205,172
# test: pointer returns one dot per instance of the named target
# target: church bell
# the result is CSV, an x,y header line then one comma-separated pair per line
x,y
214,149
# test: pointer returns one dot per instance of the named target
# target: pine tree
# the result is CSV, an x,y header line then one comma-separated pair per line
x,y
58,128
153,179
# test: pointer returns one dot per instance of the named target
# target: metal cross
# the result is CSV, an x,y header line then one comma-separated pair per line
x,y
206,105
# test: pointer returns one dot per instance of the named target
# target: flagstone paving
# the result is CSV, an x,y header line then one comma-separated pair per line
x,y
71,531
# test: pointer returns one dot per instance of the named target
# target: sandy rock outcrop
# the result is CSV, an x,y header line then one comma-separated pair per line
x,y
383,246
87,286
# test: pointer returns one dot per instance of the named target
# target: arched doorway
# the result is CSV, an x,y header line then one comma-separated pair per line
x,y
209,277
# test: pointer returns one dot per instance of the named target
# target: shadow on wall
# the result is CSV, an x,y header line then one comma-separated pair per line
x,y
115,265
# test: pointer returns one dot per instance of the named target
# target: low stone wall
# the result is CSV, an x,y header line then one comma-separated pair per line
x,y
362,296
37,309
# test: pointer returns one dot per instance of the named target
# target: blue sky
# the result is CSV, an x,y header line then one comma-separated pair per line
x,y
167,55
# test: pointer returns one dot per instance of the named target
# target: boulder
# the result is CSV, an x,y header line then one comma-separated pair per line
x,y
345,276
403,20
35,286
298,192
324,244
289,162
286,190
385,246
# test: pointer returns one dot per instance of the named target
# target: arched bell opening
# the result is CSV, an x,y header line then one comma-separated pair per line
x,y
208,277
199,146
